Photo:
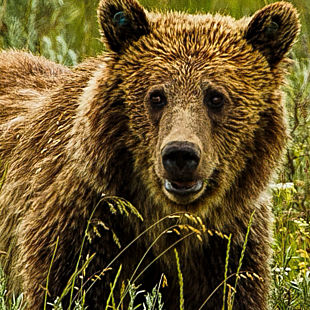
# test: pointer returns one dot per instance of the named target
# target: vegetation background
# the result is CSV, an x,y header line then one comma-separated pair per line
x,y
66,31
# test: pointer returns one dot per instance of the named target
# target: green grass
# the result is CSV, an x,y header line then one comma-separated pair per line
x,y
12,303
69,34
291,263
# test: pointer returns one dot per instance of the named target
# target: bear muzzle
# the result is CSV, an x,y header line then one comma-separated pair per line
x,y
180,160
184,188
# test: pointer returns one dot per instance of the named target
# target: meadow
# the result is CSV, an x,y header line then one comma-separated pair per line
x,y
66,31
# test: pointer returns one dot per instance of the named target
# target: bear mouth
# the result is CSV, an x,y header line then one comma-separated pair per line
x,y
183,188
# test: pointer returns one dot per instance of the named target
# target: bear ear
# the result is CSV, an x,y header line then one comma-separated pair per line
x,y
122,22
273,30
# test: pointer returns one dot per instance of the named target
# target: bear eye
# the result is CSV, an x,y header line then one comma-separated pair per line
x,y
214,100
158,99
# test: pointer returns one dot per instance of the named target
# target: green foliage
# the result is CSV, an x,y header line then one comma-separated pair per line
x,y
241,260
153,300
13,303
63,31
112,286
291,200
291,264
225,273
180,276
49,272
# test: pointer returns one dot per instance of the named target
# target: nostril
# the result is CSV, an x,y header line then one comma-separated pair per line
x,y
180,159
168,163
188,158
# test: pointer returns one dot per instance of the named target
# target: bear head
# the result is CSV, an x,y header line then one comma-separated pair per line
x,y
201,98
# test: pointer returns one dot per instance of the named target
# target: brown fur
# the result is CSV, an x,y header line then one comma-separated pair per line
x,y
69,136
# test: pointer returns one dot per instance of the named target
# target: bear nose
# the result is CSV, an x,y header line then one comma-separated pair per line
x,y
180,159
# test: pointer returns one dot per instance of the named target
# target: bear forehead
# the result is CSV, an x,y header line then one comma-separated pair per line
x,y
178,36
173,20
201,30
194,55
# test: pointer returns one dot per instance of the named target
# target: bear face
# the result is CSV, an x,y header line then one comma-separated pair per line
x,y
202,93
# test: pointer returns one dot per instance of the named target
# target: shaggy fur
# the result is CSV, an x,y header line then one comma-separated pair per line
x,y
68,136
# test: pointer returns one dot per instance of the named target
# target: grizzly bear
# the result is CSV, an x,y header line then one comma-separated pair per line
x,y
182,114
